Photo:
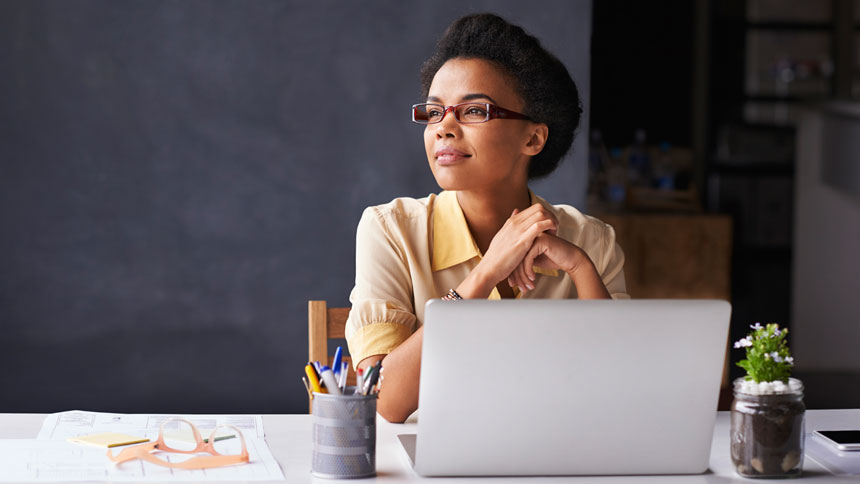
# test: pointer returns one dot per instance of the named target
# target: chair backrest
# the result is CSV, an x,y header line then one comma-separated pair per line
x,y
325,323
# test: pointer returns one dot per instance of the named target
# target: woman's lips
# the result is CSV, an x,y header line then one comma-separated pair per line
x,y
448,156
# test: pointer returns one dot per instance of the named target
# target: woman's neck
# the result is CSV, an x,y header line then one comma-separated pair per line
x,y
486,212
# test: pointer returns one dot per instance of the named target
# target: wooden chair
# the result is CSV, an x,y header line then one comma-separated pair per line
x,y
325,323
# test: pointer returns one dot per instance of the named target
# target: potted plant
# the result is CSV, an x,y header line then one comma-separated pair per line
x,y
767,415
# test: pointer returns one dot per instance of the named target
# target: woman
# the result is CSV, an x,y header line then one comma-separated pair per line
x,y
499,111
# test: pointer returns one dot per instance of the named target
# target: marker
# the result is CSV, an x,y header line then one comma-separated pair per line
x,y
329,380
312,377
335,366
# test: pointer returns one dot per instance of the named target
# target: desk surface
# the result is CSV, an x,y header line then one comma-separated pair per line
x,y
289,438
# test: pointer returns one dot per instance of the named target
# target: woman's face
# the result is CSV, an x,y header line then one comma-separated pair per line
x,y
484,157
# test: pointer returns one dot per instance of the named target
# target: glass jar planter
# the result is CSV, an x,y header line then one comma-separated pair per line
x,y
767,428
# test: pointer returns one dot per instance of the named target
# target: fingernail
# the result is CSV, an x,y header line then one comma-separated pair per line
x,y
530,287
532,277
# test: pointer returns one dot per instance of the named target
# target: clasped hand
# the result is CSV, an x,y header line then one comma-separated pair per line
x,y
528,239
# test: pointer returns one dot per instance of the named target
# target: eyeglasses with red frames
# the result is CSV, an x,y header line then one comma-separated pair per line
x,y
466,113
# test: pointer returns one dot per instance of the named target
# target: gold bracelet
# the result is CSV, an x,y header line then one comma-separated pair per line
x,y
452,296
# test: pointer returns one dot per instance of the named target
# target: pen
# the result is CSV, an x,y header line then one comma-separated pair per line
x,y
335,365
344,372
368,375
329,380
375,377
312,377
359,380
308,387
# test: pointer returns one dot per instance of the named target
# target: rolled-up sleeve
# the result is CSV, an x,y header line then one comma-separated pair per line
x,y
382,314
611,266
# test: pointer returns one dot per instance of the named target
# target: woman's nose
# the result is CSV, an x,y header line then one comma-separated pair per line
x,y
449,126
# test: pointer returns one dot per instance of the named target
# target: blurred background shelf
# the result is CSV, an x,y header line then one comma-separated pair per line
x,y
728,81
795,54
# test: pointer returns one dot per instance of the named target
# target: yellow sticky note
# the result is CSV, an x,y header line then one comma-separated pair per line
x,y
107,439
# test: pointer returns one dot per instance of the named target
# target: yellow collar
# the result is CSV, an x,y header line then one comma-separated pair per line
x,y
452,241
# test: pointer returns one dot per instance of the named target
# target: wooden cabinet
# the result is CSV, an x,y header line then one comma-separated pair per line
x,y
675,256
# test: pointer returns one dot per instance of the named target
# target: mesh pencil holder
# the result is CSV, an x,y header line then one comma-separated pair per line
x,y
344,435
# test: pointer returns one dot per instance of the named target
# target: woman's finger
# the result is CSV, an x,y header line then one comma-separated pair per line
x,y
521,282
534,214
531,213
515,276
542,216
533,227
529,261
539,227
523,275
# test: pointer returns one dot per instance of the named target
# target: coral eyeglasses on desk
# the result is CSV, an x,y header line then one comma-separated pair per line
x,y
290,439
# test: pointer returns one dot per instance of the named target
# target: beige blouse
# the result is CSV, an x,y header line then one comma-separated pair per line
x,y
409,251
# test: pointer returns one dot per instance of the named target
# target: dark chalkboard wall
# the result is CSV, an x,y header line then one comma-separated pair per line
x,y
178,178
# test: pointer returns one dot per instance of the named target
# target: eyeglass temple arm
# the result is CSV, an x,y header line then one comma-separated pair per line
x,y
130,453
143,452
202,462
499,112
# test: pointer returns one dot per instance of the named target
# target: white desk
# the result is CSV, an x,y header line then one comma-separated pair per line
x,y
289,437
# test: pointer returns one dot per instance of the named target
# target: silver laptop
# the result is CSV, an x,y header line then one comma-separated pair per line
x,y
568,387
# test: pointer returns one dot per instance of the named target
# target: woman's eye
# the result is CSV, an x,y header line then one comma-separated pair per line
x,y
476,111
434,113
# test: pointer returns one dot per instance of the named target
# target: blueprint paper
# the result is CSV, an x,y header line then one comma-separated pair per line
x,y
50,458
76,423
35,460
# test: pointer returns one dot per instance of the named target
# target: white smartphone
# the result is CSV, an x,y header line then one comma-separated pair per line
x,y
841,439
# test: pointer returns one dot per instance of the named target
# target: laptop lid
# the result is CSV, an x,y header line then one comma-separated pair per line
x,y
569,387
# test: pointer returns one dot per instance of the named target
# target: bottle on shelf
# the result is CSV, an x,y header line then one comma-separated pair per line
x,y
598,162
616,180
638,160
663,175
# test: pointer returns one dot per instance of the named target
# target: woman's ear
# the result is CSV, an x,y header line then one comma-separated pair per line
x,y
537,140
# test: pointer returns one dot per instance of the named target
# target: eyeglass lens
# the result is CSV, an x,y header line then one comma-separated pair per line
x,y
226,441
179,435
465,113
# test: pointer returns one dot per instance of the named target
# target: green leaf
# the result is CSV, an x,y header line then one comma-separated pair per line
x,y
759,364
